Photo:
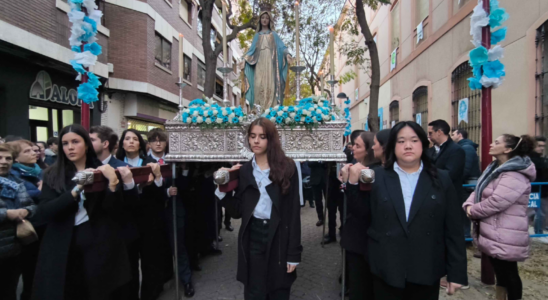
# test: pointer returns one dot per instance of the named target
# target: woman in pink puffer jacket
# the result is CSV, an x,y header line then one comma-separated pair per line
x,y
499,209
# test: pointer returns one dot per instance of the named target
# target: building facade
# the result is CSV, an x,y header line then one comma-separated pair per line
x,y
429,78
139,66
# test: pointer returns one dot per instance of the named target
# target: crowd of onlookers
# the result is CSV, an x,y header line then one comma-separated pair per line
x,y
114,244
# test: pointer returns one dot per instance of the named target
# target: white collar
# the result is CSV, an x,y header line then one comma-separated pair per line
x,y
398,168
156,157
105,162
255,166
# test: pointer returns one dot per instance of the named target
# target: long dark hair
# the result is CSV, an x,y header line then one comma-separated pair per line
x,y
367,138
382,137
121,153
58,174
282,167
390,149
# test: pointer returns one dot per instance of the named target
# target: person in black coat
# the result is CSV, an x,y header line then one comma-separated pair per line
x,y
267,200
415,237
318,172
152,247
81,255
358,219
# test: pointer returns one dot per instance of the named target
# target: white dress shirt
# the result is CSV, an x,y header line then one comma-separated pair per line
x,y
408,182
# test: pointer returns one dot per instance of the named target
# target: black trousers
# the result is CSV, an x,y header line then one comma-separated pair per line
x,y
29,257
507,275
257,287
411,291
10,270
185,275
156,262
319,192
360,279
334,201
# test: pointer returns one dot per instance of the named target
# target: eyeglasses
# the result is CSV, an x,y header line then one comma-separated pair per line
x,y
157,142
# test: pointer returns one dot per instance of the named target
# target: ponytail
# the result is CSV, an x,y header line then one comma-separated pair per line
x,y
521,146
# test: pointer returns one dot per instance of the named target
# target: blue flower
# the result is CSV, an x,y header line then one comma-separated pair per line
x,y
319,118
497,17
272,113
308,120
92,22
213,118
194,120
238,111
88,32
291,109
300,112
185,115
87,93
477,71
284,115
76,49
347,102
279,119
93,80
94,48
228,110
215,105
474,83
225,119
478,56
305,101
235,120
78,67
494,69
77,1
498,36
197,102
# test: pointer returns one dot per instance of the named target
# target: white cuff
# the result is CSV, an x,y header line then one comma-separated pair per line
x,y
129,186
159,181
219,194
292,263
352,183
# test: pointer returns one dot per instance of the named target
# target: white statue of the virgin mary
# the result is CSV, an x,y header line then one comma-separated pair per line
x,y
266,65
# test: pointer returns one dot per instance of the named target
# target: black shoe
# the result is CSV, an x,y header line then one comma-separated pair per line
x,y
195,267
189,290
319,223
329,240
220,238
229,227
312,205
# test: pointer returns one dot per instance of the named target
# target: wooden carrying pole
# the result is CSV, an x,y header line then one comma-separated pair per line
x,y
140,175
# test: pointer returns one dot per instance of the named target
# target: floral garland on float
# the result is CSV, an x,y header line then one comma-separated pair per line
x,y
85,17
204,115
348,118
486,66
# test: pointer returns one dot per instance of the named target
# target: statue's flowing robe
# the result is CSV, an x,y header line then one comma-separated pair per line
x,y
266,70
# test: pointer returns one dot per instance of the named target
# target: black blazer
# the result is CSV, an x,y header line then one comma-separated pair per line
x,y
317,172
284,240
358,218
107,265
427,246
452,159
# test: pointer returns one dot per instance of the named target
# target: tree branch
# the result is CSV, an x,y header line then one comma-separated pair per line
x,y
234,34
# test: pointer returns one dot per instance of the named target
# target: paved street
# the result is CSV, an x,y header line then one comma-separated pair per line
x,y
320,268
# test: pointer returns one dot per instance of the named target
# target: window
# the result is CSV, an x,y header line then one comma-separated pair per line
x,y
187,67
394,112
458,4
200,27
214,38
143,127
219,88
461,90
163,52
420,106
201,74
541,103
185,11
395,16
422,8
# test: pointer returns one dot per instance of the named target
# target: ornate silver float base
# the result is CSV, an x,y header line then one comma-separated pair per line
x,y
191,144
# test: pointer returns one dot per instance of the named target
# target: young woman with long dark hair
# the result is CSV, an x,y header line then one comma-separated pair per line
x,y
499,209
81,254
379,144
152,246
358,219
415,237
267,200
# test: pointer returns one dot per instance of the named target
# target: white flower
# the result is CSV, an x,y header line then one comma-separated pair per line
x,y
287,120
273,119
267,111
285,108
206,113
215,112
320,104
326,118
195,113
318,111
280,113
292,115
233,107
219,120
305,112
315,120
241,119
315,105
276,107
208,121
232,115
225,112
188,120
206,105
186,110
199,120
300,120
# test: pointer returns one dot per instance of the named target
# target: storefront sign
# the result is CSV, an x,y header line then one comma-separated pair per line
x,y
43,89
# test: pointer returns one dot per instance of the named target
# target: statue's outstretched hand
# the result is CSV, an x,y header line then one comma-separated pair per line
x,y
290,59
241,65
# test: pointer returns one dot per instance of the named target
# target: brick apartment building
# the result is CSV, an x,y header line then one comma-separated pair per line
x,y
139,65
